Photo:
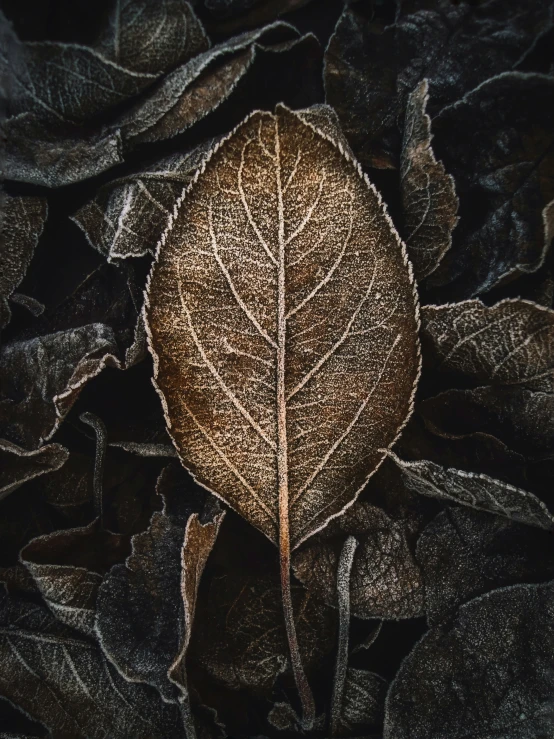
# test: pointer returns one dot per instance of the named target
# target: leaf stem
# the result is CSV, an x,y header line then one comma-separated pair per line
x,y
101,445
343,595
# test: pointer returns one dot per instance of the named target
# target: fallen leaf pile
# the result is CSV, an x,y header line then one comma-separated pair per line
x,y
277,369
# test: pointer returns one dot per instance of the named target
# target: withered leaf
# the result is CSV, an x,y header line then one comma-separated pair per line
x,y
19,465
42,378
385,581
282,301
128,216
429,198
497,143
523,419
196,88
465,553
475,490
62,680
152,36
370,69
21,223
487,674
68,567
363,701
145,606
510,343
239,637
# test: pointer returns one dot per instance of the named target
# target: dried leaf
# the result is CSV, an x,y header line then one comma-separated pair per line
x,y
385,580
63,681
51,155
19,465
521,418
42,378
466,553
363,702
486,675
196,88
510,343
152,36
428,194
217,300
128,216
68,567
144,618
497,143
475,490
22,221
239,637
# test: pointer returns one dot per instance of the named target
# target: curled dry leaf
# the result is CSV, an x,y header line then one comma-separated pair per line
x,y
62,680
146,605
497,143
21,223
487,674
68,567
42,378
363,703
19,465
128,216
475,490
465,553
429,198
385,581
152,36
510,343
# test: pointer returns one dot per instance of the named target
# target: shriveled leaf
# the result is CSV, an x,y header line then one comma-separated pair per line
x,y
510,343
19,465
385,581
146,605
488,674
282,305
53,155
152,36
21,223
239,636
62,680
42,378
476,491
522,418
128,216
363,702
72,485
466,553
370,70
429,198
497,143
196,88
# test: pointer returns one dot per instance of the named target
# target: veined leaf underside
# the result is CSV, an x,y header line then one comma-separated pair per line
x,y
283,323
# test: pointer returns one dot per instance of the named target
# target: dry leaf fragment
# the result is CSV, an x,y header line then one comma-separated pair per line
x,y
510,343
488,674
21,222
62,680
385,580
429,197
152,36
19,465
475,490
281,281
128,216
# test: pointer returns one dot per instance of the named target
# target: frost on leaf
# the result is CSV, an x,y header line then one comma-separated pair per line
x,y
128,216
21,222
385,581
510,343
428,195
488,674
476,491
19,465
152,36
282,318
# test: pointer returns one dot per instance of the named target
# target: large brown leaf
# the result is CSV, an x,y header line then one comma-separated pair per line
x,y
282,318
